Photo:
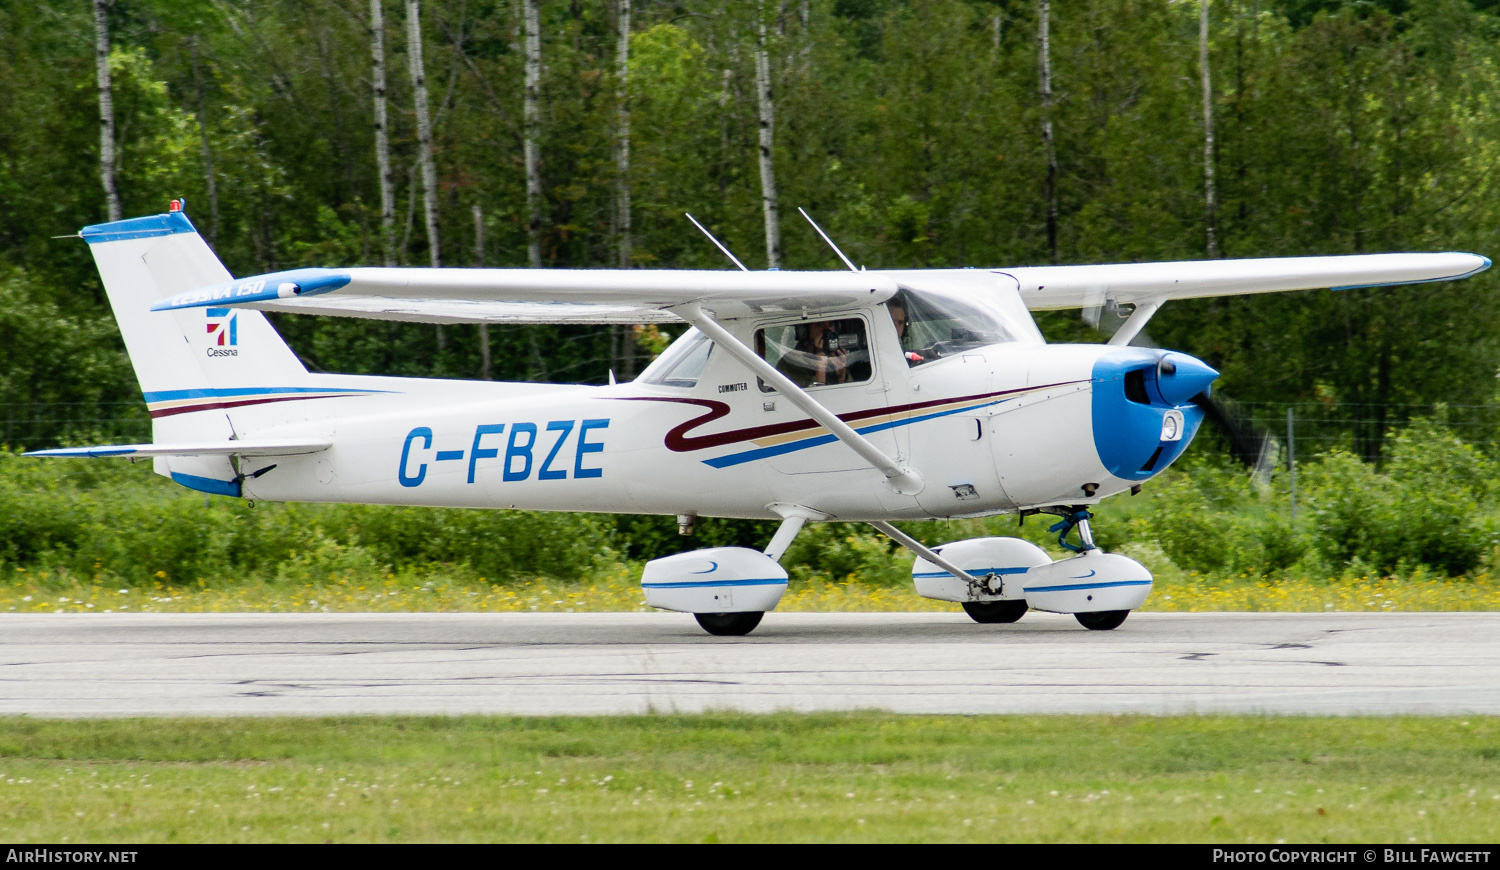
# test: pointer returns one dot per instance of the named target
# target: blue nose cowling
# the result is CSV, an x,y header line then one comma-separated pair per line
x,y
1180,377
1134,392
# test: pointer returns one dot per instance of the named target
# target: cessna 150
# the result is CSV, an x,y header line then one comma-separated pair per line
x,y
869,396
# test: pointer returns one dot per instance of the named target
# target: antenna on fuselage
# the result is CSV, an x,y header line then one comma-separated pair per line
x,y
717,243
828,240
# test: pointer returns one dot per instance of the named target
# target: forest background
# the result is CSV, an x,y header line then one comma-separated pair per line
x,y
918,132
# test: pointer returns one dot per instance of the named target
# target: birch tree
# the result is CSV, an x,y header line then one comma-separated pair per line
x,y
1209,205
622,135
1044,62
533,124
107,167
767,139
626,336
424,128
383,135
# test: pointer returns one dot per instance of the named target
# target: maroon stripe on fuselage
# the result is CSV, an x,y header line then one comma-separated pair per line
x,y
188,409
678,441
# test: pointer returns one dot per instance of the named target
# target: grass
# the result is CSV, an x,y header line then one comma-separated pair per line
x,y
618,589
733,778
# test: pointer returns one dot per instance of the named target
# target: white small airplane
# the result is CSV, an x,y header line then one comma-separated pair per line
x,y
868,396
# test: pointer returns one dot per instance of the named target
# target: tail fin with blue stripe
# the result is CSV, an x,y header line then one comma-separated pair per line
x,y
193,365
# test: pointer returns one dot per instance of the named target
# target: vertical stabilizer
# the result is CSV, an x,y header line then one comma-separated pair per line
x,y
191,364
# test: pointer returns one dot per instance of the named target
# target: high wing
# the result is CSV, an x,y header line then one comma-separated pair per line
x,y
537,295
648,296
1044,287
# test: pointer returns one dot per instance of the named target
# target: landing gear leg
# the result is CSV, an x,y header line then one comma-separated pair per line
x,y
1074,518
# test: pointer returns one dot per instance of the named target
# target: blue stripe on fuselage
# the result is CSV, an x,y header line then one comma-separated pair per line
x,y
817,440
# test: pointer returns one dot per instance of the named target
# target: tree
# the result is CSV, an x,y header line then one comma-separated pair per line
x,y
1044,64
382,135
533,132
107,166
767,142
1209,210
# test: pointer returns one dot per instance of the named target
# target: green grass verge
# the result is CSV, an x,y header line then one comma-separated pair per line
x,y
617,588
731,778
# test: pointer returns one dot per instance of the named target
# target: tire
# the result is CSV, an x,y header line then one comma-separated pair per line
x,y
1102,620
993,612
730,624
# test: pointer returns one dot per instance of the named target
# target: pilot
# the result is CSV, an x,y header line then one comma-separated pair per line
x,y
817,360
897,309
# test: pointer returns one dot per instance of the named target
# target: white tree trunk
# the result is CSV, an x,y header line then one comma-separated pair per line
x,y
383,136
424,127
622,135
1210,207
1044,62
626,335
106,113
533,117
767,139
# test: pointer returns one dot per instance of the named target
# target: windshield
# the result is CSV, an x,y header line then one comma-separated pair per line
x,y
933,326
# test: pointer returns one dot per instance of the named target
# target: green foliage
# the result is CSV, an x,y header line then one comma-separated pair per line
x,y
1423,509
61,372
1432,505
88,518
910,128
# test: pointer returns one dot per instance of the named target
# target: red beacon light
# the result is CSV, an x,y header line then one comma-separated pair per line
x,y
175,205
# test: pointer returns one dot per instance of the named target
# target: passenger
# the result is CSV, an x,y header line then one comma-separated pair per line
x,y
817,360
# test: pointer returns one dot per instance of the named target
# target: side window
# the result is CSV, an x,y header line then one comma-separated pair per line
x,y
818,353
682,364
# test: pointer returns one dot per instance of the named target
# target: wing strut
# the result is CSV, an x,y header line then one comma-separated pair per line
x,y
924,551
904,481
1135,323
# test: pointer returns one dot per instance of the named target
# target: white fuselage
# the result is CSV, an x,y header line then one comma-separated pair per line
x,y
994,429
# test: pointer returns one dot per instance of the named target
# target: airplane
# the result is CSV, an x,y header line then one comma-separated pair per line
x,y
799,396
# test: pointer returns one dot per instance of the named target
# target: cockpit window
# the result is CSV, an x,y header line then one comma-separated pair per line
x,y
683,362
932,326
818,353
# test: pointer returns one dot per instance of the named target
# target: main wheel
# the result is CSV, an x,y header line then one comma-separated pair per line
x,y
1102,620
730,624
990,612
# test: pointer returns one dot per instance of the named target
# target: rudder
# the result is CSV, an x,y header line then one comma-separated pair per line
x,y
191,365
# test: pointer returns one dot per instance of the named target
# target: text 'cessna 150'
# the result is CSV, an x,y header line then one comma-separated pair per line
x,y
800,396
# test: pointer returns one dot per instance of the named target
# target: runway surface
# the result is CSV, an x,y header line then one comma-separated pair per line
x,y
587,663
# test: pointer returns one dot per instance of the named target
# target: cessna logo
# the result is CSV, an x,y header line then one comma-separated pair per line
x,y
223,332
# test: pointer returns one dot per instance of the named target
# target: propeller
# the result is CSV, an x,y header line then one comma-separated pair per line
x,y
1256,449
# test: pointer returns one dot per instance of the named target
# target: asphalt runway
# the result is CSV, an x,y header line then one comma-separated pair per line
x,y
593,663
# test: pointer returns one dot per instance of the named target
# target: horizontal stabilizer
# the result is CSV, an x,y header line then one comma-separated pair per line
x,y
215,448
